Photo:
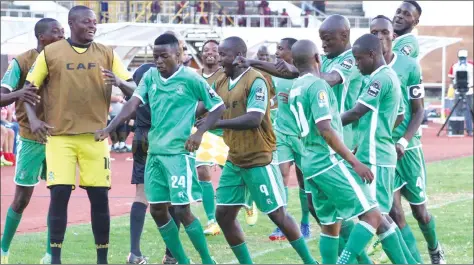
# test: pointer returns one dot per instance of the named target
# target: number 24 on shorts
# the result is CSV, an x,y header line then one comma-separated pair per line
x,y
178,181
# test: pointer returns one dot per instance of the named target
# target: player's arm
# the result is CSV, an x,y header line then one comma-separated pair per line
x,y
369,99
257,102
211,102
119,77
333,78
340,73
9,91
201,108
354,114
281,69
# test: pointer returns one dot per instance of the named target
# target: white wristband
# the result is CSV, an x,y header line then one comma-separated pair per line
x,y
403,142
272,102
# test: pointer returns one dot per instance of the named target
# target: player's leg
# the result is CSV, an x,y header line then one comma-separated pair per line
x,y
95,177
266,188
157,192
168,258
61,158
208,197
305,228
231,196
185,189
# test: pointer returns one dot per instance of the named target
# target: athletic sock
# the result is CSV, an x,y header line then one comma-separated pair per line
x,y
208,200
391,246
102,253
429,232
170,235
137,220
346,229
197,237
328,247
403,244
48,244
302,249
11,224
242,253
358,240
304,207
57,219
409,238
100,219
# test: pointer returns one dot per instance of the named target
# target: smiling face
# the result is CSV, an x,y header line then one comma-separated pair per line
x,y
406,18
383,29
227,56
210,54
84,26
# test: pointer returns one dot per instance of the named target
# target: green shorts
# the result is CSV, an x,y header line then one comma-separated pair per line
x,y
30,164
289,148
382,187
410,176
339,194
199,163
171,178
239,186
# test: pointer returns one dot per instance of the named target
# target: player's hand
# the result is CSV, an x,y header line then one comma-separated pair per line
x,y
364,172
110,78
193,142
283,97
284,67
101,135
400,150
241,62
40,129
28,94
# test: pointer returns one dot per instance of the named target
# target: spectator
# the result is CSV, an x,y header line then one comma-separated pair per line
x,y
155,10
8,137
179,8
320,5
284,21
267,12
242,22
119,136
263,54
104,11
203,9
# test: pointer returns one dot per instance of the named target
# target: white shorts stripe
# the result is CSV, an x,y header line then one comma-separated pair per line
x,y
355,187
276,190
189,180
373,185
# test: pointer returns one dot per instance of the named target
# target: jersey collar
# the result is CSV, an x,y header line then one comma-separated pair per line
x,y
399,38
173,75
233,82
378,70
392,63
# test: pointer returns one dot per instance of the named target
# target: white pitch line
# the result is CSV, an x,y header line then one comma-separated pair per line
x,y
285,246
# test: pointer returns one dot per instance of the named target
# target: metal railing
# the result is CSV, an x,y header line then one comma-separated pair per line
x,y
8,12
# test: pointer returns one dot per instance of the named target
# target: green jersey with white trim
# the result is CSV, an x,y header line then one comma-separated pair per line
x,y
382,95
284,122
311,101
346,93
409,74
12,76
173,102
407,44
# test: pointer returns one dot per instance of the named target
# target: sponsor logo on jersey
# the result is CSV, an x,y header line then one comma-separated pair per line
x,y
211,92
406,50
259,95
374,88
322,98
347,64
180,90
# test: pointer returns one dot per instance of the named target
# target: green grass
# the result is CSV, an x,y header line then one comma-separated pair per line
x,y
449,188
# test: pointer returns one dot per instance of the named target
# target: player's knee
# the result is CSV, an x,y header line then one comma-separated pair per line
x,y
421,213
204,173
278,216
159,211
99,199
60,193
21,201
182,211
373,218
398,215
222,216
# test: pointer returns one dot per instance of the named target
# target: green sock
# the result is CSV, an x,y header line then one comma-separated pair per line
x,y
286,195
196,234
170,235
409,238
328,247
11,224
208,200
391,246
429,232
302,249
358,240
304,207
403,244
242,253
346,229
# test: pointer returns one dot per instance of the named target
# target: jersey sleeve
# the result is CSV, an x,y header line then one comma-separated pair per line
x,y
12,76
408,49
258,97
119,69
371,94
401,106
319,102
345,69
416,90
206,94
142,90
39,71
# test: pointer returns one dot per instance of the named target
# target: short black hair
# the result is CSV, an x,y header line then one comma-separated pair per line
x,y
238,44
382,17
290,41
76,9
416,5
137,76
368,42
166,39
208,41
42,25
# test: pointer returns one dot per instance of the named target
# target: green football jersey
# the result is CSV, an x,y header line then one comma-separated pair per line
x,y
382,95
210,79
346,93
311,101
173,104
12,76
407,44
409,74
284,121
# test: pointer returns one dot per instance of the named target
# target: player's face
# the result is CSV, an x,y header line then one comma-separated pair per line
x,y
166,58
84,26
54,33
405,17
226,58
383,29
263,55
332,41
364,61
210,53
283,51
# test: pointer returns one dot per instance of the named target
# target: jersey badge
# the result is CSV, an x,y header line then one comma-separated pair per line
x,y
406,50
259,95
374,88
347,64
322,98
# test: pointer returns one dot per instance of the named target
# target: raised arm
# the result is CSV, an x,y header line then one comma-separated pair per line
x,y
280,69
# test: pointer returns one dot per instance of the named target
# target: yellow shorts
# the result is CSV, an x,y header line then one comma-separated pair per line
x,y
64,152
